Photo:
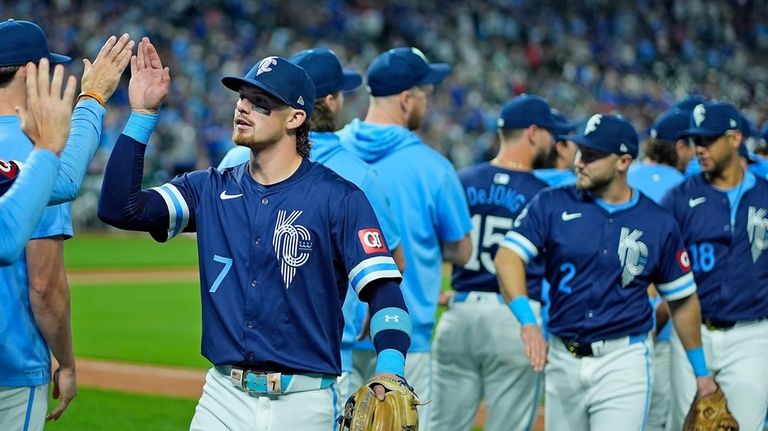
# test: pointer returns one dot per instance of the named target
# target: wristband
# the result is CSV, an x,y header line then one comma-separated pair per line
x,y
697,360
140,126
522,310
390,361
93,96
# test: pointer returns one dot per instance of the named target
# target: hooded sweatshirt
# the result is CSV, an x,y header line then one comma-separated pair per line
x,y
429,206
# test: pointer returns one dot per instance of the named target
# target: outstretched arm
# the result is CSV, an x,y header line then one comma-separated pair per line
x,y
122,202
98,83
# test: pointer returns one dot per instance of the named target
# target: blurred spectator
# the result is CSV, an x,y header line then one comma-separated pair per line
x,y
633,57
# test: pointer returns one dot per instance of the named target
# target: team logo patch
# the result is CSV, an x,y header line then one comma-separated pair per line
x,y
683,260
757,226
266,65
372,241
592,124
9,170
292,244
633,255
699,114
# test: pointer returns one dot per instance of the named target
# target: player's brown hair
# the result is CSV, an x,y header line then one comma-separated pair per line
x,y
323,119
661,151
7,73
303,145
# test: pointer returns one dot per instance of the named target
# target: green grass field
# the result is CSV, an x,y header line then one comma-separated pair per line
x,y
97,410
144,322
129,250
156,323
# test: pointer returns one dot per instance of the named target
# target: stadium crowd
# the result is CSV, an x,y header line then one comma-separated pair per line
x,y
635,58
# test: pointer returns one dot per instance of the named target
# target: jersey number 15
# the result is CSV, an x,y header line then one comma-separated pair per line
x,y
493,230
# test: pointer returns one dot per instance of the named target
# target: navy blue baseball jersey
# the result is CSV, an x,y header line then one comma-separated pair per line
x,y
600,259
275,261
725,233
496,196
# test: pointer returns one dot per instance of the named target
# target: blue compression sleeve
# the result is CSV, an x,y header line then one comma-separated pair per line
x,y
390,325
83,140
122,203
22,206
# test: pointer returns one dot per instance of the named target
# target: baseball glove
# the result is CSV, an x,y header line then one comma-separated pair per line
x,y
710,413
364,412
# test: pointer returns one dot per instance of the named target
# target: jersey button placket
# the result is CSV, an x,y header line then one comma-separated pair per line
x,y
264,201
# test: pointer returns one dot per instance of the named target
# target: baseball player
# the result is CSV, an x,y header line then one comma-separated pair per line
x,y
603,243
34,298
560,160
424,192
666,158
722,216
279,239
477,353
324,68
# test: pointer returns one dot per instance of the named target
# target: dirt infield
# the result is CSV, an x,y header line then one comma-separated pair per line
x,y
132,276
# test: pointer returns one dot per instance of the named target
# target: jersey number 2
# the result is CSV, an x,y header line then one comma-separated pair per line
x,y
227,261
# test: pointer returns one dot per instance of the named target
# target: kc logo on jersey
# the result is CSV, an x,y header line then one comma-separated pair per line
x,y
756,229
292,244
372,241
633,255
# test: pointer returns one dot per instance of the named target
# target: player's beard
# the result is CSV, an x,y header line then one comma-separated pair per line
x,y
251,142
413,122
541,160
595,184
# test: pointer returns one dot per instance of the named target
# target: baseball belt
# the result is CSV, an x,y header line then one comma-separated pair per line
x,y
268,383
598,348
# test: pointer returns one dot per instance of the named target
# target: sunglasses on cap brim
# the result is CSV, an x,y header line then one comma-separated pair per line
x,y
589,155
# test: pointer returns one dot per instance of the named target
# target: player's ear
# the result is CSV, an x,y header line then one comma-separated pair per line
x,y
296,119
622,164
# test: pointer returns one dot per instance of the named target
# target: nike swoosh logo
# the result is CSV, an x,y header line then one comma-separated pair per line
x,y
692,202
224,196
568,217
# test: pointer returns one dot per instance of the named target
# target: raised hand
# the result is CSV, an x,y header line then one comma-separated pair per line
x,y
100,79
149,79
45,119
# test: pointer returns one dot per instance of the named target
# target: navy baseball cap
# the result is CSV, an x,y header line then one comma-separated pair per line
x,y
690,102
24,41
712,119
399,69
669,124
280,78
562,127
322,65
524,110
608,134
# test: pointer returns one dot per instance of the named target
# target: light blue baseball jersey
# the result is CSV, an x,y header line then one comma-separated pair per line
x,y
275,261
327,149
725,232
556,177
654,180
430,207
24,360
600,259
